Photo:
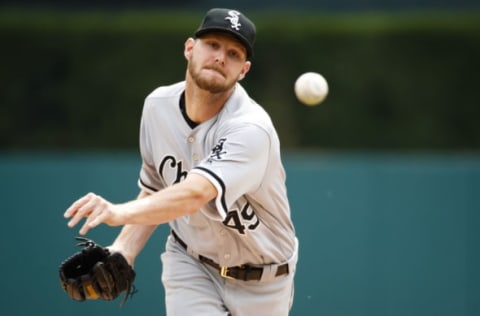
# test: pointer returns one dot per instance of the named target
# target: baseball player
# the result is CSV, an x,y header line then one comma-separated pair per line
x,y
212,170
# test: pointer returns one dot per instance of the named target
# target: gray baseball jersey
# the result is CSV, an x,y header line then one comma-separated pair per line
x,y
238,150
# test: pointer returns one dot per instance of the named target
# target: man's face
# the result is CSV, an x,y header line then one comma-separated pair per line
x,y
216,61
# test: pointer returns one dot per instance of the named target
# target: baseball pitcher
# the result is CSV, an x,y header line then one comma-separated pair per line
x,y
212,169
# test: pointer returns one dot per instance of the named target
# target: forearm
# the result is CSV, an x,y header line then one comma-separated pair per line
x,y
147,211
166,205
161,207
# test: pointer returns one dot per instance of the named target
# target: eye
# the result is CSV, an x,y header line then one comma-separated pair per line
x,y
213,44
233,54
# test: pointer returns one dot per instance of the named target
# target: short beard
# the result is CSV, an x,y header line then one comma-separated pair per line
x,y
209,85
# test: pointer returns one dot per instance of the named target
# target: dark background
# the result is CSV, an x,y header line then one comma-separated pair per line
x,y
74,75
344,5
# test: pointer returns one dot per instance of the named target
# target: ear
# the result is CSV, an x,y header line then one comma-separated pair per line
x,y
245,70
189,43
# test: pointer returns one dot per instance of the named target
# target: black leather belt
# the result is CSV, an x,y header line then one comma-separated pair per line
x,y
243,272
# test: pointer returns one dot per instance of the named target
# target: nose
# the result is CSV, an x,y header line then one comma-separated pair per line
x,y
220,58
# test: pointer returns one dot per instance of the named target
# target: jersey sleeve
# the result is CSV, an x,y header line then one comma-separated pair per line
x,y
236,166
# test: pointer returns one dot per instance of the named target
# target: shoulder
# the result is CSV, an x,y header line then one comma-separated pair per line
x,y
167,91
242,110
164,95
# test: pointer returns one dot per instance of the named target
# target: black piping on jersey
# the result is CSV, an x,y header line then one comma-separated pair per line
x,y
222,185
147,186
220,182
190,123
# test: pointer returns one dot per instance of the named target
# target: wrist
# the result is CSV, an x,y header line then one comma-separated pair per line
x,y
128,256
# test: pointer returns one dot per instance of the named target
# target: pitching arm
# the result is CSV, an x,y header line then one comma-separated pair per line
x,y
157,208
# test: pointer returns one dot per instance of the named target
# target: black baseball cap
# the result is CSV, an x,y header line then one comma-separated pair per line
x,y
232,22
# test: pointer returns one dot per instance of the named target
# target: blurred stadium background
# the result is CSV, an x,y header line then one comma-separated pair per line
x,y
384,177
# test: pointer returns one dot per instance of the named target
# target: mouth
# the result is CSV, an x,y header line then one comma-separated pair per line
x,y
214,69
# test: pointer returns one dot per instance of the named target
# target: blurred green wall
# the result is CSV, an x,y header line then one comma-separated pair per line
x,y
380,234
397,80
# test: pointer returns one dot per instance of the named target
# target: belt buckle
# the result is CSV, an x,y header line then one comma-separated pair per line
x,y
224,273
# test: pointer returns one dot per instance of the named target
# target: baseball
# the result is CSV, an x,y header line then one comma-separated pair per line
x,y
311,88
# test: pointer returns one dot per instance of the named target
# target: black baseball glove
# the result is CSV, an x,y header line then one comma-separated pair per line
x,y
95,273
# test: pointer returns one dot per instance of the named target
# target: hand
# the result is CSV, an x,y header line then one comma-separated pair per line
x,y
96,210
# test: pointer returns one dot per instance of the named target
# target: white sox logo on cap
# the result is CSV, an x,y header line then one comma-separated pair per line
x,y
234,17
230,21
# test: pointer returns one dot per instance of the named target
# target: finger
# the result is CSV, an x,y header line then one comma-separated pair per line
x,y
76,205
101,213
89,206
84,230
94,219
74,221
89,224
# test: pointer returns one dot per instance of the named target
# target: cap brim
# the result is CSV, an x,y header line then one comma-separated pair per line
x,y
243,40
